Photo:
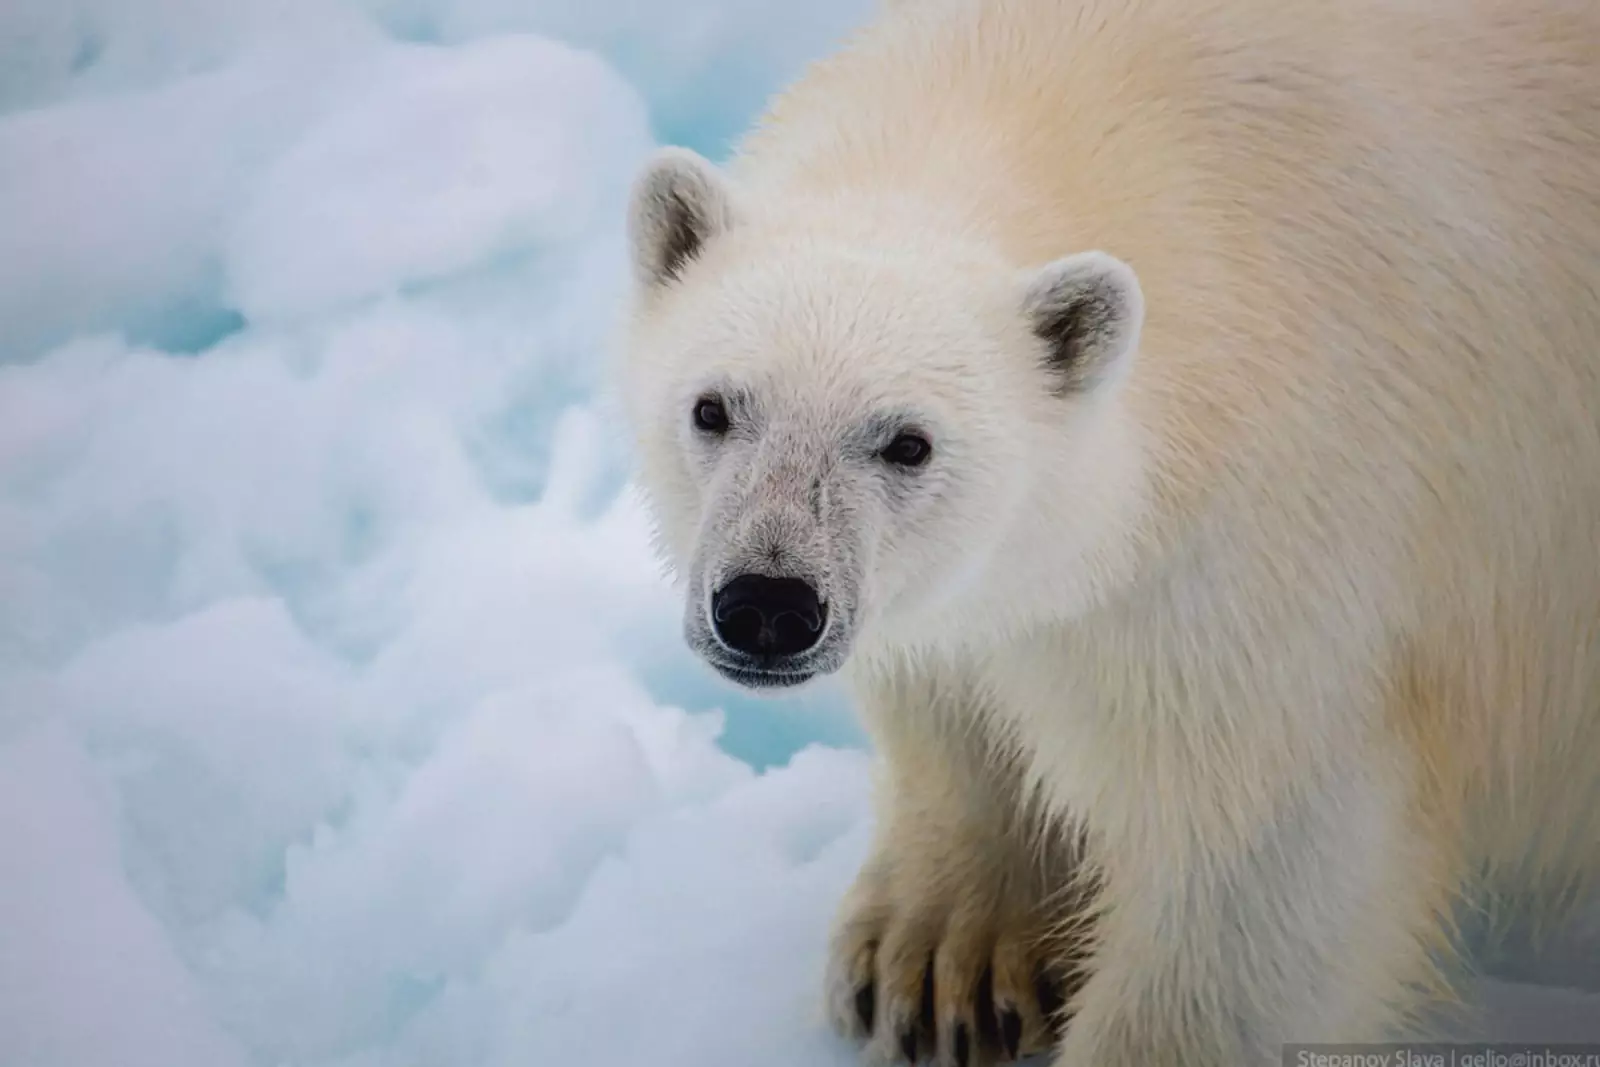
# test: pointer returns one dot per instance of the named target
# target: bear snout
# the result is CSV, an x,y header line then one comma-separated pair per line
x,y
768,618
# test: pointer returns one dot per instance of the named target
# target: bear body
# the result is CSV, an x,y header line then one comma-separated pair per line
x,y
1179,421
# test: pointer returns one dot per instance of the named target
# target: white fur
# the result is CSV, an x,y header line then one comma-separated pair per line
x,y
1294,614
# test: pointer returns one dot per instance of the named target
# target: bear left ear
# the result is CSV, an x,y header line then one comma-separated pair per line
x,y
679,202
1088,309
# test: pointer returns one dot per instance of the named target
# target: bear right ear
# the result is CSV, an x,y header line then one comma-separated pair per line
x,y
680,202
1088,309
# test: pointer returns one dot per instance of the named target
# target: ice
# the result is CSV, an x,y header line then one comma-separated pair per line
x,y
344,717
703,63
86,975
343,713
458,158
110,207
56,50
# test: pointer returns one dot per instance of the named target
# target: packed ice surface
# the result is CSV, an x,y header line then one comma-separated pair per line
x,y
343,716
344,720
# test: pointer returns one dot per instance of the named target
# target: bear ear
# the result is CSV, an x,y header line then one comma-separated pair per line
x,y
679,202
1088,309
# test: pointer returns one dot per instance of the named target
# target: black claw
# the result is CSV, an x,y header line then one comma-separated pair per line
x,y
927,1000
988,1020
1011,1031
963,1045
866,1005
1050,998
908,1045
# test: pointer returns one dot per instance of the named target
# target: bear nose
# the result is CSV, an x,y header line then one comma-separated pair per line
x,y
763,616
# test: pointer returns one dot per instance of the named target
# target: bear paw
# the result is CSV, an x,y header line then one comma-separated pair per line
x,y
924,974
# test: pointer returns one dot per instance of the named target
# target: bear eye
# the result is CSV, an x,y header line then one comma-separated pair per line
x,y
907,450
710,416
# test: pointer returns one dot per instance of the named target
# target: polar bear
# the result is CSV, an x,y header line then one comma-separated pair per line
x,y
1179,423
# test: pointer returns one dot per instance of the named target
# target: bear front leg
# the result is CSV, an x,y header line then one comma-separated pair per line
x,y
1308,920
954,946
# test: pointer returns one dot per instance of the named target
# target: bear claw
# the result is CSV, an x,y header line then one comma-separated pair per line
x,y
865,1006
1011,1031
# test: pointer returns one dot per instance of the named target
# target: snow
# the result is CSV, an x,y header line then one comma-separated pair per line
x,y
344,720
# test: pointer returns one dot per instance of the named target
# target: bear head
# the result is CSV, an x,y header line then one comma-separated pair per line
x,y
856,427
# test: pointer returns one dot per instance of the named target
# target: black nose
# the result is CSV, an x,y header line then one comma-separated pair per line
x,y
763,616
